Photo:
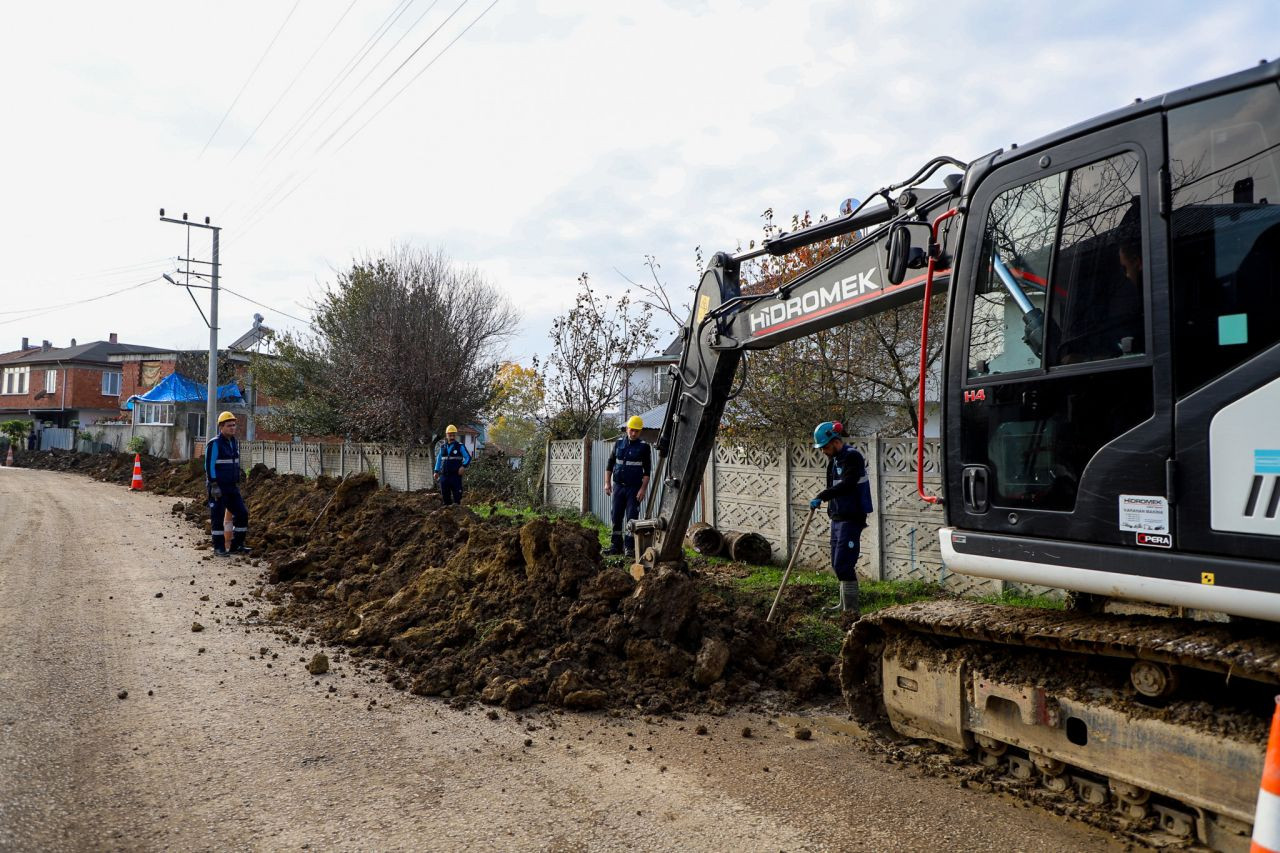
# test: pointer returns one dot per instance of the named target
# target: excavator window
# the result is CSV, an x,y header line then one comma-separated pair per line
x,y
1224,164
1018,248
1096,309
1058,312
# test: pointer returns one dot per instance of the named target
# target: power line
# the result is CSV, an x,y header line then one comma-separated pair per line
x,y
372,94
249,78
226,289
49,309
415,77
338,79
266,207
368,121
109,271
294,81
372,69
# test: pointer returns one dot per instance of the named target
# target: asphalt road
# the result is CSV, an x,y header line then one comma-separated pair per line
x,y
218,747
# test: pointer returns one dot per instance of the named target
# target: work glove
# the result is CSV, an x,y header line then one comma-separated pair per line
x,y
815,503
215,491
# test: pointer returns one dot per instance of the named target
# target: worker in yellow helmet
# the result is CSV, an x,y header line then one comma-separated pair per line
x,y
223,474
626,479
451,458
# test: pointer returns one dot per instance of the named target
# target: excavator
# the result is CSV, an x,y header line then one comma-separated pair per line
x,y
1110,426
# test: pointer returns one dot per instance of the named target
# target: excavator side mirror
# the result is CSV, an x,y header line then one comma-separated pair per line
x,y
899,254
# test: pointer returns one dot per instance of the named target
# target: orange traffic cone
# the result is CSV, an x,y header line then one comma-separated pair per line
x,y
136,485
1266,817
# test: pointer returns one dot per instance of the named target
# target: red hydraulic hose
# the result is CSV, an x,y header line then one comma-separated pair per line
x,y
934,251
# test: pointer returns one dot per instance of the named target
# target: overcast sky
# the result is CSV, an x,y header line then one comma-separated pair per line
x,y
551,138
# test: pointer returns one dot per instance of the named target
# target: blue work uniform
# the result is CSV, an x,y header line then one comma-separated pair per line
x,y
222,468
451,458
848,498
628,465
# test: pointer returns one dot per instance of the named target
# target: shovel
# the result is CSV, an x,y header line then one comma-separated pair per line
x,y
790,563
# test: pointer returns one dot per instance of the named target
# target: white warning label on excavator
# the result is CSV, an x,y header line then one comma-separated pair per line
x,y
1144,513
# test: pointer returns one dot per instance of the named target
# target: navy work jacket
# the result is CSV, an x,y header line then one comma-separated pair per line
x,y
629,462
848,491
222,460
450,458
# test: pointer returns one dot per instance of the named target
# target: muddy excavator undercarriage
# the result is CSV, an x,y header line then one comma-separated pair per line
x,y
1110,397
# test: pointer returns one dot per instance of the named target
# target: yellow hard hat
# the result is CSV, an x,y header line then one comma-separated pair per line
x,y
450,428
225,416
636,422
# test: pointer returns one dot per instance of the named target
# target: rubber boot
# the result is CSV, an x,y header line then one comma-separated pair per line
x,y
849,597
237,543
220,543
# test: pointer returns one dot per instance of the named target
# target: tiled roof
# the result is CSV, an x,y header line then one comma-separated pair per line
x,y
94,351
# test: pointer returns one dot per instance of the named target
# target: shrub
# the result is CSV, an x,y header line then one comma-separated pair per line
x,y
137,444
490,476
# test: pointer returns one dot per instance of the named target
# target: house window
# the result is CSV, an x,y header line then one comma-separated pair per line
x,y
158,414
111,383
15,380
50,381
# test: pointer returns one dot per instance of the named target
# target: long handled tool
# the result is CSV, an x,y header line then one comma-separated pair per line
x,y
790,563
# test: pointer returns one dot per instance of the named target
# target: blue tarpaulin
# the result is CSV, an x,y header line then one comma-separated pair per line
x,y
176,388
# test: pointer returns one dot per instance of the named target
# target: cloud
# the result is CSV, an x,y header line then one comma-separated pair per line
x,y
556,137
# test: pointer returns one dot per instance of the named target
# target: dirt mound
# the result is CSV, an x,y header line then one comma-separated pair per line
x,y
159,475
481,608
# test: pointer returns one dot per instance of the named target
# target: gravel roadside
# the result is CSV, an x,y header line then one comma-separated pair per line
x,y
228,748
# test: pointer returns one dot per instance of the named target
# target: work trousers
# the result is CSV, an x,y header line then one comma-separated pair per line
x,y
626,507
846,545
451,488
230,500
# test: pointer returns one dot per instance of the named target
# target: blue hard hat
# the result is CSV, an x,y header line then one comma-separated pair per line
x,y
824,433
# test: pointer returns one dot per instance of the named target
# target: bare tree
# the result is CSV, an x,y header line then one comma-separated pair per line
x,y
399,345
656,295
583,373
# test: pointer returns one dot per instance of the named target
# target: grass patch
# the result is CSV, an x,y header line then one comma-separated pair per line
x,y
522,514
769,577
820,633
875,595
1020,599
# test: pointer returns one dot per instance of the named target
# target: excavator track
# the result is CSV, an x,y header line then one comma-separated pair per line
x,y
1162,721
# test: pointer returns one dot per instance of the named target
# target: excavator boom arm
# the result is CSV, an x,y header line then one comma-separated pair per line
x,y
858,281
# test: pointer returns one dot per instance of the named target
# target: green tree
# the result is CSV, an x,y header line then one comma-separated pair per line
x,y
519,395
399,345
15,431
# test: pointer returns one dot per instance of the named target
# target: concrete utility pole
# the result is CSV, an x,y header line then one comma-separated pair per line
x,y
211,405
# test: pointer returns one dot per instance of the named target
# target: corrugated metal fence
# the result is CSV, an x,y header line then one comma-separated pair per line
x,y
601,505
58,438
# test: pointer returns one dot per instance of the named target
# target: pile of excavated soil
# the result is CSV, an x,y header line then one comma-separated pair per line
x,y
158,474
482,608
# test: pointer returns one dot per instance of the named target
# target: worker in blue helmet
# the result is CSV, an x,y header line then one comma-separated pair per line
x,y
848,500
